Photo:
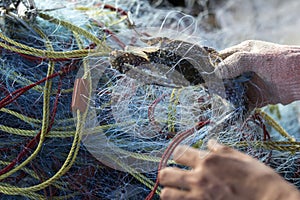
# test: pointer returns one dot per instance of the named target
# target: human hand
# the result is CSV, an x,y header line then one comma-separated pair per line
x,y
276,68
222,173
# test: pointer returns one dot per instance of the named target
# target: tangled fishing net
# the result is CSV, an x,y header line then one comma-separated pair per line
x,y
94,100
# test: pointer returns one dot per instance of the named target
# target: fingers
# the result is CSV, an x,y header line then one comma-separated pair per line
x,y
237,59
245,46
242,47
191,157
174,177
173,194
235,65
226,151
229,51
188,156
215,147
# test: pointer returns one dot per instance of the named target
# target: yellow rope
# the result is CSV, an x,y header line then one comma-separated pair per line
x,y
275,125
102,49
28,171
141,156
61,134
17,131
172,111
29,191
57,184
12,190
46,116
128,169
45,123
24,82
48,54
274,109
75,29
271,145
29,120
21,80
30,195
140,177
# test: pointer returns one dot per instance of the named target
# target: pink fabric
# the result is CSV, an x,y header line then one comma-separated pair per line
x,y
277,69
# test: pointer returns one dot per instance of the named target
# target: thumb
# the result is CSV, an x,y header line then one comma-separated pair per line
x,y
215,147
234,65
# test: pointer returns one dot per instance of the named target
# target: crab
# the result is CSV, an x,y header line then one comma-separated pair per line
x,y
19,11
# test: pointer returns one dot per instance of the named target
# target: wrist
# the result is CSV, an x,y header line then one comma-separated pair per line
x,y
285,191
274,187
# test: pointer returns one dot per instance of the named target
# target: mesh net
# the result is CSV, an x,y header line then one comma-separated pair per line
x,y
94,100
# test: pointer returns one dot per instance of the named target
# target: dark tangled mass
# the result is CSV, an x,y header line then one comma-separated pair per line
x,y
175,63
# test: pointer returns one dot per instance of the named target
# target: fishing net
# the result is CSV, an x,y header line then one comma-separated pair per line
x,y
94,100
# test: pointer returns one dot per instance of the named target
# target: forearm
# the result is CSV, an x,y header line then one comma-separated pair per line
x,y
271,186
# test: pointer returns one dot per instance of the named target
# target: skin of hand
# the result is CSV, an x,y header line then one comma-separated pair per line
x,y
276,70
222,173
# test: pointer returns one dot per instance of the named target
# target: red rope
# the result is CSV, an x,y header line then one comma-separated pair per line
x,y
168,152
17,93
151,110
110,33
35,140
112,8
